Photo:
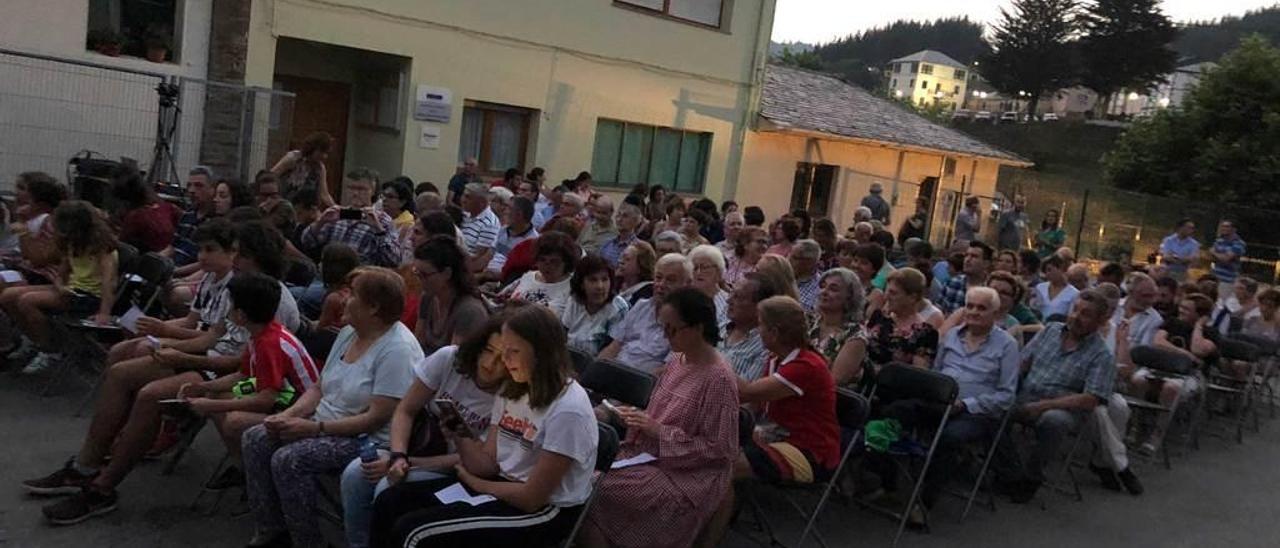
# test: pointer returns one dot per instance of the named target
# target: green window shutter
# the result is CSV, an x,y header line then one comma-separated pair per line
x,y
666,158
607,152
637,146
693,162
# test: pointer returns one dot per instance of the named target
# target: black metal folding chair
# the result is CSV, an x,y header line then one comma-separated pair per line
x,y
986,466
581,360
606,452
614,380
1260,383
852,410
1162,364
898,382
1235,390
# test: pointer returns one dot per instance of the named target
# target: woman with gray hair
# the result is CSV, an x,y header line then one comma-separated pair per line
x,y
835,326
708,277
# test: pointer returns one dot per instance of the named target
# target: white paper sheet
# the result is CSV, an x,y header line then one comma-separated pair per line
x,y
129,320
638,459
458,493
10,276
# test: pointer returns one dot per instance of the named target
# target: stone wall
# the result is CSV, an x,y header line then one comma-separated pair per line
x,y
224,112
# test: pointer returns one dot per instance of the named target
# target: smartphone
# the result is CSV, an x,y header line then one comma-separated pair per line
x,y
154,342
350,214
610,406
451,419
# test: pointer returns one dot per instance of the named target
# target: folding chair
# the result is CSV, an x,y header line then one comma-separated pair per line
x,y
581,360
898,382
852,410
615,380
1232,388
606,451
1162,364
986,465
1065,481
1260,382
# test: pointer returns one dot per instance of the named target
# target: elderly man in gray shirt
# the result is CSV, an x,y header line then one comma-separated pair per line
x,y
638,340
984,362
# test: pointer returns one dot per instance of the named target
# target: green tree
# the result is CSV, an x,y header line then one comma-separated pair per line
x,y
1221,145
1125,46
861,58
801,59
1032,48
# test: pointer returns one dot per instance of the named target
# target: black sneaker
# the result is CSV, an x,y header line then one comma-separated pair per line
x,y
1024,491
66,481
75,509
229,478
1107,477
1130,481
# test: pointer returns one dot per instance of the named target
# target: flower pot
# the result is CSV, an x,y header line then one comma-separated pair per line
x,y
109,49
157,55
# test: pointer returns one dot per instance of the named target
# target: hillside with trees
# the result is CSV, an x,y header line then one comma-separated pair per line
x,y
1210,40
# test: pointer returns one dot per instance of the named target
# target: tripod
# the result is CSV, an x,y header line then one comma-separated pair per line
x,y
162,160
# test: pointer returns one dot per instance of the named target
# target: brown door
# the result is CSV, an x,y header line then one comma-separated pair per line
x,y
321,106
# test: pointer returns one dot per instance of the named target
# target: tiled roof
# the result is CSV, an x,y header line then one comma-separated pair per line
x,y
930,56
800,99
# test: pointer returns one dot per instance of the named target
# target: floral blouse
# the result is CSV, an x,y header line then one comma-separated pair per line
x,y
830,346
887,343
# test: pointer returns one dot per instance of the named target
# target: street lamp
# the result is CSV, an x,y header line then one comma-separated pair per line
x,y
975,93
1133,96
897,93
1164,102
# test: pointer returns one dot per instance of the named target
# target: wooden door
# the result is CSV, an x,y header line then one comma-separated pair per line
x,y
321,105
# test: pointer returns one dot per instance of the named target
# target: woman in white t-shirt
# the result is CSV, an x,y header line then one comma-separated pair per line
x,y
529,477
592,308
554,256
468,374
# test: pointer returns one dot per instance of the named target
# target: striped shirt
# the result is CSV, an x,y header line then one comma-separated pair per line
x,y
212,301
1226,272
276,357
184,248
1089,368
480,232
808,291
746,356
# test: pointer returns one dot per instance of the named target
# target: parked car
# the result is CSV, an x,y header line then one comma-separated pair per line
x,y
1049,117
962,114
983,115
1009,116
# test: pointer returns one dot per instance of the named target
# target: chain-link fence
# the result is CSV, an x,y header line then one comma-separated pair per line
x,y
53,109
1108,224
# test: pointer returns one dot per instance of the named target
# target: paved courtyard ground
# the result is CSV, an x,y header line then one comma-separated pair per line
x,y
1223,495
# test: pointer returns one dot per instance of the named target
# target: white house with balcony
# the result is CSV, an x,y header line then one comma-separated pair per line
x,y
1168,94
928,77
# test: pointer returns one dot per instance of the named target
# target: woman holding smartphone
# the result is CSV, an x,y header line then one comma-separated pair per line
x,y
462,380
535,461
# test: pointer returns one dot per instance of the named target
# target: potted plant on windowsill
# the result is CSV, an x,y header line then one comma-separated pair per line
x,y
157,45
106,41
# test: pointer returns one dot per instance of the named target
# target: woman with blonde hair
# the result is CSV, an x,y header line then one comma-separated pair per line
x,y
777,269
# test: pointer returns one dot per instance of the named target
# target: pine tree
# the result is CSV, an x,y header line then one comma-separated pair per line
x,y
1125,46
1032,48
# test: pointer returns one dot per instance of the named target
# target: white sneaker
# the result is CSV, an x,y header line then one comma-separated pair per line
x,y
40,363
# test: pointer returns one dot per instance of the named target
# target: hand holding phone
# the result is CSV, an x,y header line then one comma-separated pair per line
x,y
450,419
350,214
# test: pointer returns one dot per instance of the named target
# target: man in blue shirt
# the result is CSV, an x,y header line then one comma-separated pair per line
x,y
459,181
984,362
1227,252
1179,251
1070,371
876,203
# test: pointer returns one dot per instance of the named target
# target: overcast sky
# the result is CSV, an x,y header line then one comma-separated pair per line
x,y
817,21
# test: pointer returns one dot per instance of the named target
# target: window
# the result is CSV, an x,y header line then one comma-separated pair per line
x,y
926,69
702,12
379,103
957,91
626,154
924,84
915,67
136,28
495,135
960,74
813,187
912,84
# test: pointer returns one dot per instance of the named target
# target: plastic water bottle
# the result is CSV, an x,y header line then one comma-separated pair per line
x,y
368,448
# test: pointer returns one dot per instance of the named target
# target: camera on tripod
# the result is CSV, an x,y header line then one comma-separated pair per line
x,y
168,93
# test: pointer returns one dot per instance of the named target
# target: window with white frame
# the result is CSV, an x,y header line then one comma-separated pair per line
x,y
702,12
134,28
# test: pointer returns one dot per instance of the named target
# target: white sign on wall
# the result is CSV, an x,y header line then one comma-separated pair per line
x,y
429,136
434,104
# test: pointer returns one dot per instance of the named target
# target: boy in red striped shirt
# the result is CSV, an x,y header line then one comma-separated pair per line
x,y
276,369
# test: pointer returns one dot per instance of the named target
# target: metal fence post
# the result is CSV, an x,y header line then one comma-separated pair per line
x,y
1084,209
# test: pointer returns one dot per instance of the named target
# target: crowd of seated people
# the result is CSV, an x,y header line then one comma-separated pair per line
x,y
436,328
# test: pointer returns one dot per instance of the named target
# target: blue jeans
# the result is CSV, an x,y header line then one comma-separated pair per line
x,y
310,299
357,499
